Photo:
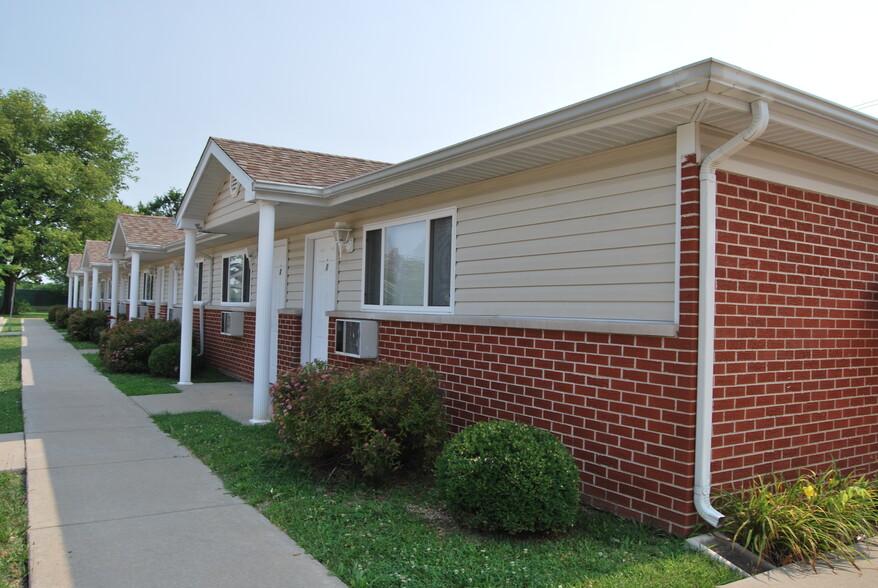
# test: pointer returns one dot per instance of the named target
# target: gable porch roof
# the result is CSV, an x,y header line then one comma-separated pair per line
x,y
95,254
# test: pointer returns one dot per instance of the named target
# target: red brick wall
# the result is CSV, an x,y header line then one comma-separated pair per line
x,y
797,336
289,342
623,404
234,355
230,355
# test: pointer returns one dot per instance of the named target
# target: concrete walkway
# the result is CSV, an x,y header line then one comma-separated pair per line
x,y
114,502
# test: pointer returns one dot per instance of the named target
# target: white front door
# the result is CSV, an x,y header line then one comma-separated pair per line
x,y
278,300
320,298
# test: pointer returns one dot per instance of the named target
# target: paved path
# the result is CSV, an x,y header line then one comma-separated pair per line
x,y
114,502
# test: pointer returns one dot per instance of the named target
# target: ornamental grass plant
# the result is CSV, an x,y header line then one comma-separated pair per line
x,y
811,519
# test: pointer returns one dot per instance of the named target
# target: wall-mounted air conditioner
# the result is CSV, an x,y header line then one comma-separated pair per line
x,y
232,323
142,311
175,314
356,338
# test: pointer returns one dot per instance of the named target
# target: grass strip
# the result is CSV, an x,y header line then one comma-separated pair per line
x,y
13,530
12,325
145,385
399,535
11,420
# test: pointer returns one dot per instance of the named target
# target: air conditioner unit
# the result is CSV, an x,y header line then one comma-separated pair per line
x,y
175,314
356,338
142,311
232,324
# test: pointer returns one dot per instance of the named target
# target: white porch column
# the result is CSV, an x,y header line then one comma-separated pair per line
x,y
85,290
95,283
157,291
114,292
134,291
70,292
188,299
264,288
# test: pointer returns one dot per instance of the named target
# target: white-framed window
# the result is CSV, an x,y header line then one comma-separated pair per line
x,y
236,279
127,288
408,264
147,289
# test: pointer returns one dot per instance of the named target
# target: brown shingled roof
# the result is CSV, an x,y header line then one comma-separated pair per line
x,y
97,251
149,230
74,262
293,166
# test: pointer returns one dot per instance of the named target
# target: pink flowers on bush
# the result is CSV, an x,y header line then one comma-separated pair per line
x,y
375,418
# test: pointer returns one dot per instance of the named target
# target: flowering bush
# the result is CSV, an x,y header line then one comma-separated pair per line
x,y
804,519
376,418
509,477
127,345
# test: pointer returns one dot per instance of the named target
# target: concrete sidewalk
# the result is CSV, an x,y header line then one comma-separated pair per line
x,y
113,501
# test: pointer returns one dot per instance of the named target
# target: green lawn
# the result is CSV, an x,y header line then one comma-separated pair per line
x,y
400,536
12,325
13,501
144,384
11,420
13,530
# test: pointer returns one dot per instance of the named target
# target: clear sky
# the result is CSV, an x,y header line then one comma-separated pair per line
x,y
393,79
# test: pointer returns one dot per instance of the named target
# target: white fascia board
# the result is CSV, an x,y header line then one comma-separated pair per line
x,y
286,193
200,238
347,192
117,241
679,87
709,80
143,247
211,151
777,93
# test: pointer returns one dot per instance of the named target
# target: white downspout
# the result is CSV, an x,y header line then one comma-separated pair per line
x,y
203,304
707,307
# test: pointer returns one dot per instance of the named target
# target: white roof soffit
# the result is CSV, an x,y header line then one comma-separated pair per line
x,y
711,92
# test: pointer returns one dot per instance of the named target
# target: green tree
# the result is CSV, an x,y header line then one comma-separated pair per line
x,y
60,176
163,204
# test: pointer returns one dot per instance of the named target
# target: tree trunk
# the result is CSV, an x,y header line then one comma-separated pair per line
x,y
9,284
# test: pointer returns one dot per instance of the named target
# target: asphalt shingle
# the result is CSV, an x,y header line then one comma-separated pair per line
x,y
294,166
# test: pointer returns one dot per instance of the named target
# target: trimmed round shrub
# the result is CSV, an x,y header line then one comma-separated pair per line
x,y
164,361
376,418
53,312
509,477
61,317
127,345
82,324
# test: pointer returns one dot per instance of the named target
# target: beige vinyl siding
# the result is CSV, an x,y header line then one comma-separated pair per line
x,y
295,269
599,249
350,278
593,238
226,207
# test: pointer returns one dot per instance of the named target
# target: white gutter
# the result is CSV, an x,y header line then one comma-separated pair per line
x,y
707,307
203,304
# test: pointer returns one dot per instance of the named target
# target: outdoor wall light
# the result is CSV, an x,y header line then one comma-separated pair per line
x,y
343,235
